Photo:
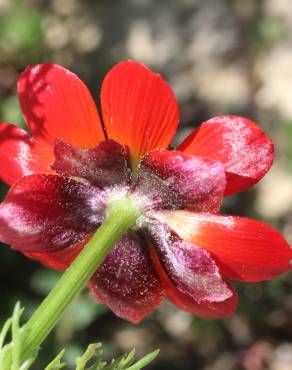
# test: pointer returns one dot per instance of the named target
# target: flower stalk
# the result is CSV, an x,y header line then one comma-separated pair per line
x,y
122,214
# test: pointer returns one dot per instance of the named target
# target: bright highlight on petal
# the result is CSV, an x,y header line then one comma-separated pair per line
x,y
139,109
194,272
48,212
240,144
210,310
20,155
174,180
56,104
244,249
191,268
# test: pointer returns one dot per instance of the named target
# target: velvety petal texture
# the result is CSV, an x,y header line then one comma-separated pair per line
x,y
20,155
127,281
244,249
104,165
49,212
56,104
239,143
184,301
174,180
191,268
139,109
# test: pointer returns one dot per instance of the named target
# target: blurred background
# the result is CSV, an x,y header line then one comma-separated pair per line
x,y
220,57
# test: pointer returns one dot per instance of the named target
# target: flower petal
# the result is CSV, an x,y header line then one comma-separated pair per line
x,y
57,105
48,212
58,259
139,109
175,180
244,249
239,143
210,310
104,165
191,268
127,281
20,155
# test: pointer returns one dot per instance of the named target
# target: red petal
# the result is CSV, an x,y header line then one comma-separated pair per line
x,y
244,249
43,213
239,143
210,310
104,165
58,259
191,269
172,179
139,108
127,281
20,155
57,105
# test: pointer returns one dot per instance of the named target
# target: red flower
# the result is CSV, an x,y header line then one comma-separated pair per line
x,y
67,169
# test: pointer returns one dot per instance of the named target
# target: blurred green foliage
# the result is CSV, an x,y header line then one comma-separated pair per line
x,y
20,32
92,359
10,111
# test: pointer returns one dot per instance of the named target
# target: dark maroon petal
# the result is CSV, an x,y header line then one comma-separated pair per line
x,y
210,310
49,212
127,281
104,165
191,268
171,179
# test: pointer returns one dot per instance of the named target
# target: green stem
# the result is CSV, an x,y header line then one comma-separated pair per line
x,y
122,214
